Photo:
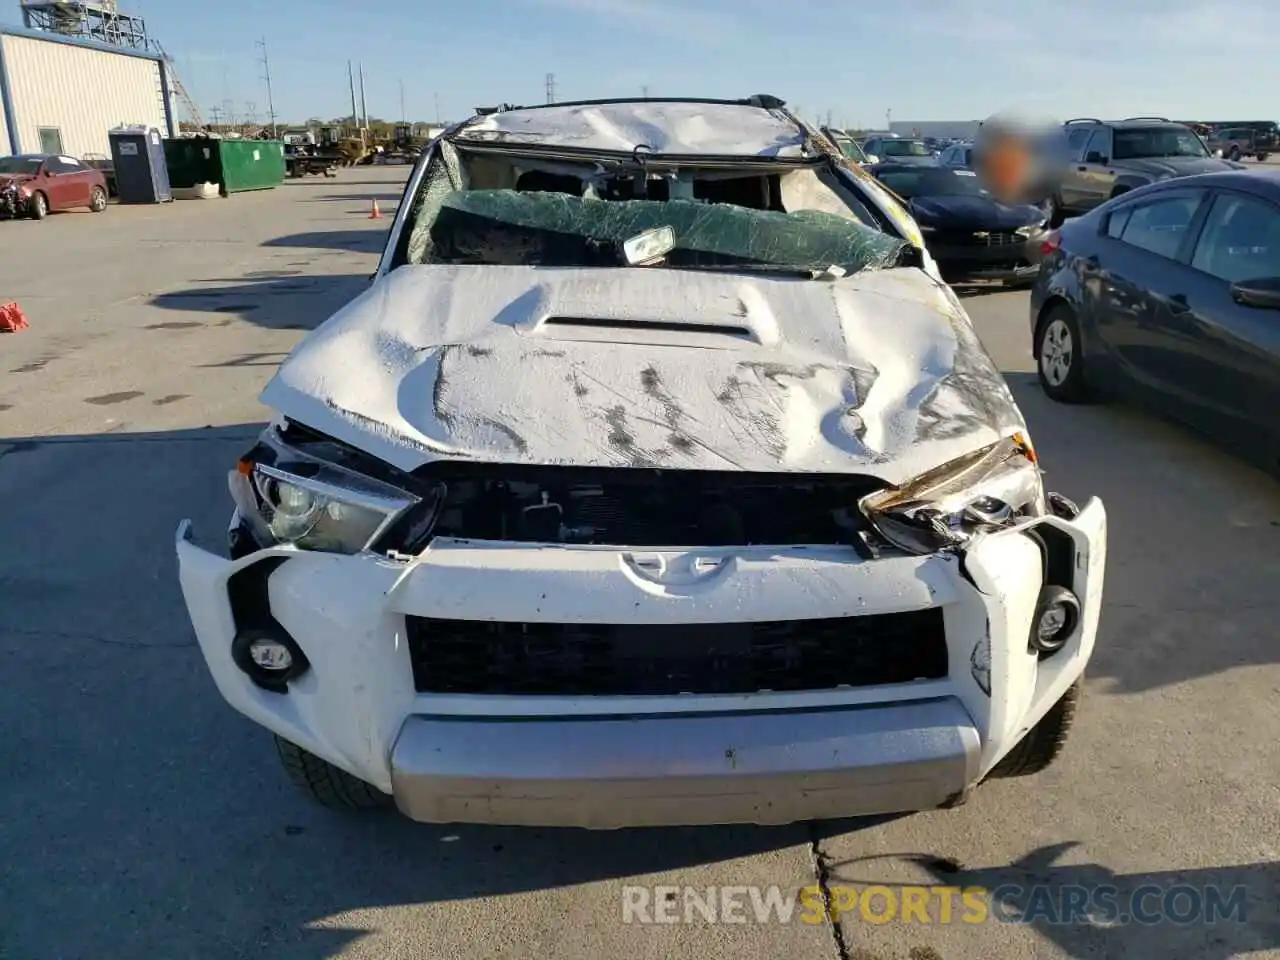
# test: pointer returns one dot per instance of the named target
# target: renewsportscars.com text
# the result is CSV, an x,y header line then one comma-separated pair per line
x,y
1098,905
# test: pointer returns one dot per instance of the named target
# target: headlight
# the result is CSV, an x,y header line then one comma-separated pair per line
x,y
1031,230
946,506
313,504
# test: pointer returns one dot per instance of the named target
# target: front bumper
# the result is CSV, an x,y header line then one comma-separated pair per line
x,y
654,760
1011,262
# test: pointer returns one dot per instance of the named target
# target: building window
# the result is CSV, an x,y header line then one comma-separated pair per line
x,y
50,140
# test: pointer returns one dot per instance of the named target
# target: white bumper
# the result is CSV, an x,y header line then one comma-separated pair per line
x,y
638,760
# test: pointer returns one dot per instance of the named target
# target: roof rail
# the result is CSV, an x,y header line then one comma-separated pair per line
x,y
1160,119
765,101
1082,120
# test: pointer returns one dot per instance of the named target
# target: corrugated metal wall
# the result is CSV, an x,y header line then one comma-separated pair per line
x,y
80,91
5,147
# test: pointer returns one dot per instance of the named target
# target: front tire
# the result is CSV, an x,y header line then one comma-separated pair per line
x,y
38,206
1234,154
98,200
1059,364
326,784
1044,742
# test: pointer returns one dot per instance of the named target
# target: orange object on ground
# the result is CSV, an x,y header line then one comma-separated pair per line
x,y
375,214
12,318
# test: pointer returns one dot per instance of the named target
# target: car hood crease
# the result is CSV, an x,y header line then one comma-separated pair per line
x,y
878,374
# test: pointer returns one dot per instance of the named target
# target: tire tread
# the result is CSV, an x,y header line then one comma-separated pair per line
x,y
326,784
1044,742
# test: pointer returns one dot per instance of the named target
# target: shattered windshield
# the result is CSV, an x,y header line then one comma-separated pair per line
x,y
512,228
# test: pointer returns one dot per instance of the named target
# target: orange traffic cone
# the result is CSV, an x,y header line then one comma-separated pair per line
x,y
375,213
12,319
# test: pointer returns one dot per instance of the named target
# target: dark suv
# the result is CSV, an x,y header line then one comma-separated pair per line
x,y
1108,158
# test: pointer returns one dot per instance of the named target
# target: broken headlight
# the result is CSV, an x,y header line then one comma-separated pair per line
x,y
946,506
313,504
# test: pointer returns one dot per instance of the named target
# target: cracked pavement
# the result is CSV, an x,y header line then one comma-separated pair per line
x,y
140,817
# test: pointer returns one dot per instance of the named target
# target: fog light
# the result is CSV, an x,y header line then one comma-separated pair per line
x,y
1056,617
270,655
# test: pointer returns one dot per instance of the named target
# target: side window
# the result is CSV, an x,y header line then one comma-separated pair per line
x,y
1100,142
1160,226
55,166
1240,240
70,165
1116,222
1076,140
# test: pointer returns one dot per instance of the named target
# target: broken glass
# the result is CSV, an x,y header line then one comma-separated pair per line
x,y
506,227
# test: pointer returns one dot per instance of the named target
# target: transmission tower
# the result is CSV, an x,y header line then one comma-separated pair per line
x,y
551,88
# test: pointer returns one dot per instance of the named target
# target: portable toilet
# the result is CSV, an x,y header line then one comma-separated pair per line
x,y
141,173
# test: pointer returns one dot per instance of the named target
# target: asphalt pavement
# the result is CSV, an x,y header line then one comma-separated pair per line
x,y
141,818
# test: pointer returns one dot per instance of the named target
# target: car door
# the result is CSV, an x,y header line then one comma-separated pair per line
x,y
1227,354
1097,178
80,180
1072,189
62,188
1141,242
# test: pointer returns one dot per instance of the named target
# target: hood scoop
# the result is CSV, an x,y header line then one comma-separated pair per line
x,y
645,331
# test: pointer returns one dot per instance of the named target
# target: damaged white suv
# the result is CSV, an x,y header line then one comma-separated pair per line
x,y
656,479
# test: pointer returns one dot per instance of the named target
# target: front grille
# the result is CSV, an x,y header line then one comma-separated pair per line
x,y
474,656
978,238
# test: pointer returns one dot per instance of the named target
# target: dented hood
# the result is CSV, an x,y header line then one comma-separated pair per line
x,y
880,373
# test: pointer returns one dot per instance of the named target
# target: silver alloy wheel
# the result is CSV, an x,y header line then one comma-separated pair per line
x,y
41,206
1056,353
98,202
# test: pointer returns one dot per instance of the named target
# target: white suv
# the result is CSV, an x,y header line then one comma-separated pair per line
x,y
656,479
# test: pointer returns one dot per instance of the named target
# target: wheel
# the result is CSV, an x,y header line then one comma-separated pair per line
x,y
1043,742
1054,213
98,200
1262,158
1059,364
38,206
325,783
1234,154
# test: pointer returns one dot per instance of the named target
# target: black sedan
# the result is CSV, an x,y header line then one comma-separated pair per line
x,y
1170,295
970,234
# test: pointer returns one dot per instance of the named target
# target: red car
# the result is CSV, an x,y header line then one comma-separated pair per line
x,y
34,184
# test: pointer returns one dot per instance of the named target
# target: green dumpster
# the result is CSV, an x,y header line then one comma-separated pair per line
x,y
234,165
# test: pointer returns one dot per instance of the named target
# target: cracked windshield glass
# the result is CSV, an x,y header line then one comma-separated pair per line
x,y
578,479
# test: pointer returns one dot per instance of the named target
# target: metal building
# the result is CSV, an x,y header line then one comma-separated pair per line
x,y
61,94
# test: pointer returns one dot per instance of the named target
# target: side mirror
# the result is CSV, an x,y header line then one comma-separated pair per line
x,y
1094,156
1263,294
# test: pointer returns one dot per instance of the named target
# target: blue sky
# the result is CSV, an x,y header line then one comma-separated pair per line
x,y
921,59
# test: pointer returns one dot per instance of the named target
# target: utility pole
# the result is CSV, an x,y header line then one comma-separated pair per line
x,y
551,88
403,116
251,113
364,105
644,92
215,114
229,107
271,105
888,121
437,109
355,115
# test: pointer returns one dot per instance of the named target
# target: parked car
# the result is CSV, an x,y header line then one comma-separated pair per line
x,y
656,479
971,235
848,147
898,150
1263,136
1171,295
1233,143
103,163
958,155
1106,159
34,185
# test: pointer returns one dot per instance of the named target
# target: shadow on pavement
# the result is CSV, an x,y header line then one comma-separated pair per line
x,y
1088,910
1181,514
141,816
355,241
280,302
